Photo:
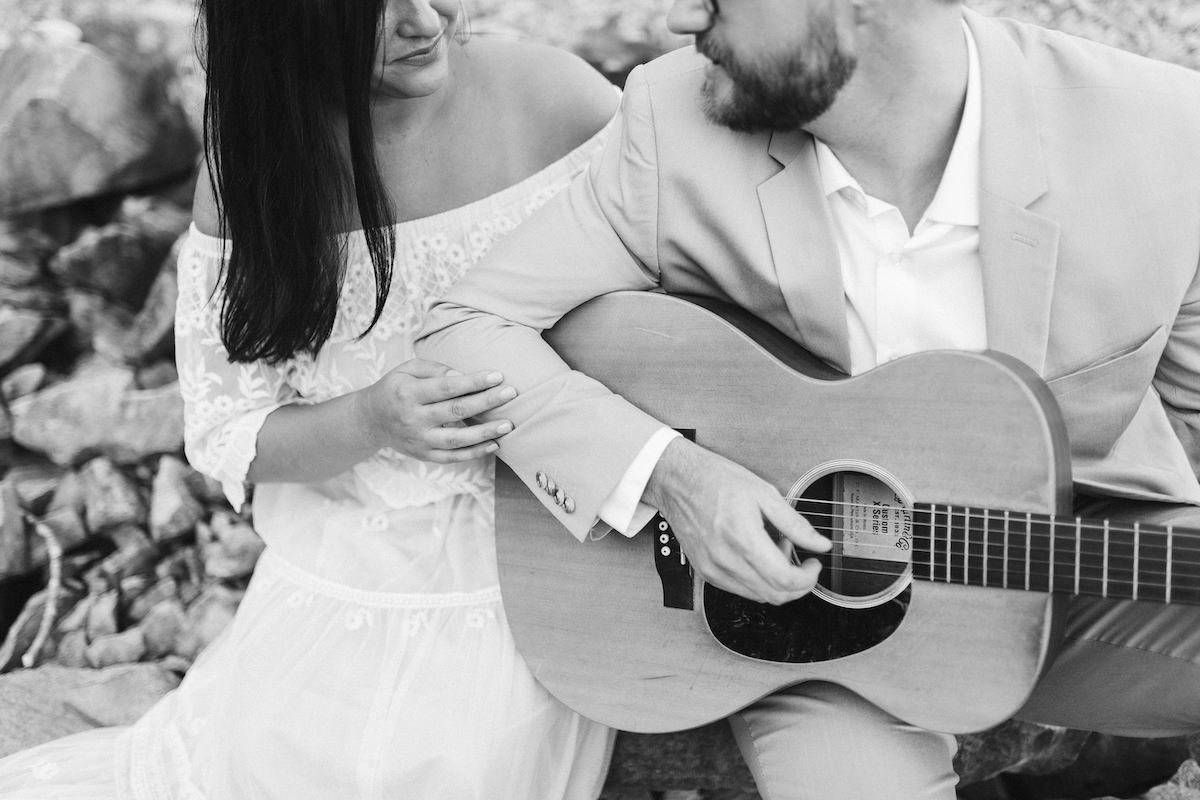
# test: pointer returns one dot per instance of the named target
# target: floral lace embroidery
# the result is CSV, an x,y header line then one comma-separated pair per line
x,y
226,403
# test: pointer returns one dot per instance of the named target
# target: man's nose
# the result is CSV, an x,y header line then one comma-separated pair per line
x,y
690,16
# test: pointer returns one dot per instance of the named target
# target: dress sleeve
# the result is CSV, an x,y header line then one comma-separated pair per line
x,y
224,404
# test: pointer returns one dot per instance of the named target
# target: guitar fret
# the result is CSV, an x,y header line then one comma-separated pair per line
x,y
1079,536
966,545
1137,535
1170,533
1050,586
1005,584
1028,538
949,540
986,525
1104,564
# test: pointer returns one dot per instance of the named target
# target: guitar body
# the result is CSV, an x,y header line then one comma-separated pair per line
x,y
946,427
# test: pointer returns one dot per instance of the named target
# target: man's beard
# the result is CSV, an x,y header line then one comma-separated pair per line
x,y
781,95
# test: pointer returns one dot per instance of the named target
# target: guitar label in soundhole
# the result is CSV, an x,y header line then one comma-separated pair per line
x,y
863,592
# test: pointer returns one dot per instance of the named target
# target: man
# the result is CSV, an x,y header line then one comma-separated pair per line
x,y
874,178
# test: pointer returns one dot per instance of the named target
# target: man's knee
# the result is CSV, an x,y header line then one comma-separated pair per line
x,y
818,741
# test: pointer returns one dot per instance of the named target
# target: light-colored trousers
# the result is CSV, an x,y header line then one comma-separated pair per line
x,y
1125,668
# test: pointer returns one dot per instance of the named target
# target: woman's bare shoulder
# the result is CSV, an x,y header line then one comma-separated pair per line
x,y
204,204
560,100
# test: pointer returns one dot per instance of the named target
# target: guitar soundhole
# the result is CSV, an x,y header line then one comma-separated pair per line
x,y
863,592
870,525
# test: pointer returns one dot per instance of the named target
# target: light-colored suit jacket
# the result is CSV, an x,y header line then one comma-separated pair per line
x,y
1090,242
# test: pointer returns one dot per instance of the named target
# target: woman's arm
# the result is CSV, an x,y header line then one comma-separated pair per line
x,y
244,424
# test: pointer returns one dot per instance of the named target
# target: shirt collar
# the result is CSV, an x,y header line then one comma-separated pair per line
x,y
957,199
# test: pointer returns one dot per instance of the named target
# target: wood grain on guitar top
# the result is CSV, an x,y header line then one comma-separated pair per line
x,y
970,429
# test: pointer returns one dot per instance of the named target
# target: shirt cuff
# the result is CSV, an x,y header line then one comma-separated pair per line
x,y
623,509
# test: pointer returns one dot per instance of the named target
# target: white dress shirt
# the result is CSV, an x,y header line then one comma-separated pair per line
x,y
904,292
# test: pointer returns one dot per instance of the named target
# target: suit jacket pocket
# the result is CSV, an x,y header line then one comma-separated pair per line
x,y
1099,401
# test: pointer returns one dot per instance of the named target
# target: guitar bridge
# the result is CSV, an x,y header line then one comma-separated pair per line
x,y
673,568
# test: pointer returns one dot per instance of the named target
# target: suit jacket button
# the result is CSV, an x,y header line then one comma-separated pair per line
x,y
541,479
569,505
559,496
551,487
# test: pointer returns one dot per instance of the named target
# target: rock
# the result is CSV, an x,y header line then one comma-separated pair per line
x,y
24,253
119,261
76,122
228,546
102,616
1184,785
126,647
71,494
14,544
163,627
160,591
25,333
1016,746
207,490
135,555
52,701
206,618
157,375
72,649
112,498
68,530
25,379
174,510
185,568
24,631
705,758
100,412
36,481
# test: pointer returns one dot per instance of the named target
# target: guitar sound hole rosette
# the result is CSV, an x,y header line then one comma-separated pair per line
x,y
867,513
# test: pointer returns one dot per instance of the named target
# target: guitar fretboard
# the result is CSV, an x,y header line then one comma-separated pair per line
x,y
1037,552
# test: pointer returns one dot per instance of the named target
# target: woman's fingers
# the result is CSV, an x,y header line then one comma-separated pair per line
x,y
436,388
462,437
469,405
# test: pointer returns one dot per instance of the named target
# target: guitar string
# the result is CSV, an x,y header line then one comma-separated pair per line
x,y
1064,557
1017,548
1017,578
1018,516
1147,545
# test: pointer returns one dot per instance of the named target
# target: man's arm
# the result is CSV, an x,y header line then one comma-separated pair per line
x,y
599,235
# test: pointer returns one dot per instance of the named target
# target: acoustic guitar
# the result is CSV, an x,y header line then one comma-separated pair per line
x,y
943,479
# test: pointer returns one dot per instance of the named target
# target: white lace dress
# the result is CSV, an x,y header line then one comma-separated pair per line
x,y
370,657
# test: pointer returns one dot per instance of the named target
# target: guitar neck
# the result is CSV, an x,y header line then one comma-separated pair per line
x,y
1044,553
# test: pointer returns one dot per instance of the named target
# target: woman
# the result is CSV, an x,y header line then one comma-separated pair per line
x,y
363,157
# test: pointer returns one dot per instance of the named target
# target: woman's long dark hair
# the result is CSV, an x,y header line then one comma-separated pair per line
x,y
285,79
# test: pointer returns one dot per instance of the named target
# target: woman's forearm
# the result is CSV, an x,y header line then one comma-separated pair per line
x,y
307,443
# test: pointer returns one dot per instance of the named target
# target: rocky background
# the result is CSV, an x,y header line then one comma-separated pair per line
x,y
118,562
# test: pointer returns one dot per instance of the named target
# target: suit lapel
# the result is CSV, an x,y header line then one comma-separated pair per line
x,y
1018,247
803,251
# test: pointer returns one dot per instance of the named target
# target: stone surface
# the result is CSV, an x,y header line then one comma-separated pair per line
x,y
207,616
25,333
174,510
14,545
77,122
228,545
1016,746
162,628
100,412
126,647
52,701
112,498
120,260
705,758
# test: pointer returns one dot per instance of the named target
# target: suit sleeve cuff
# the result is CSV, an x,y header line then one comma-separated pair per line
x,y
623,509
